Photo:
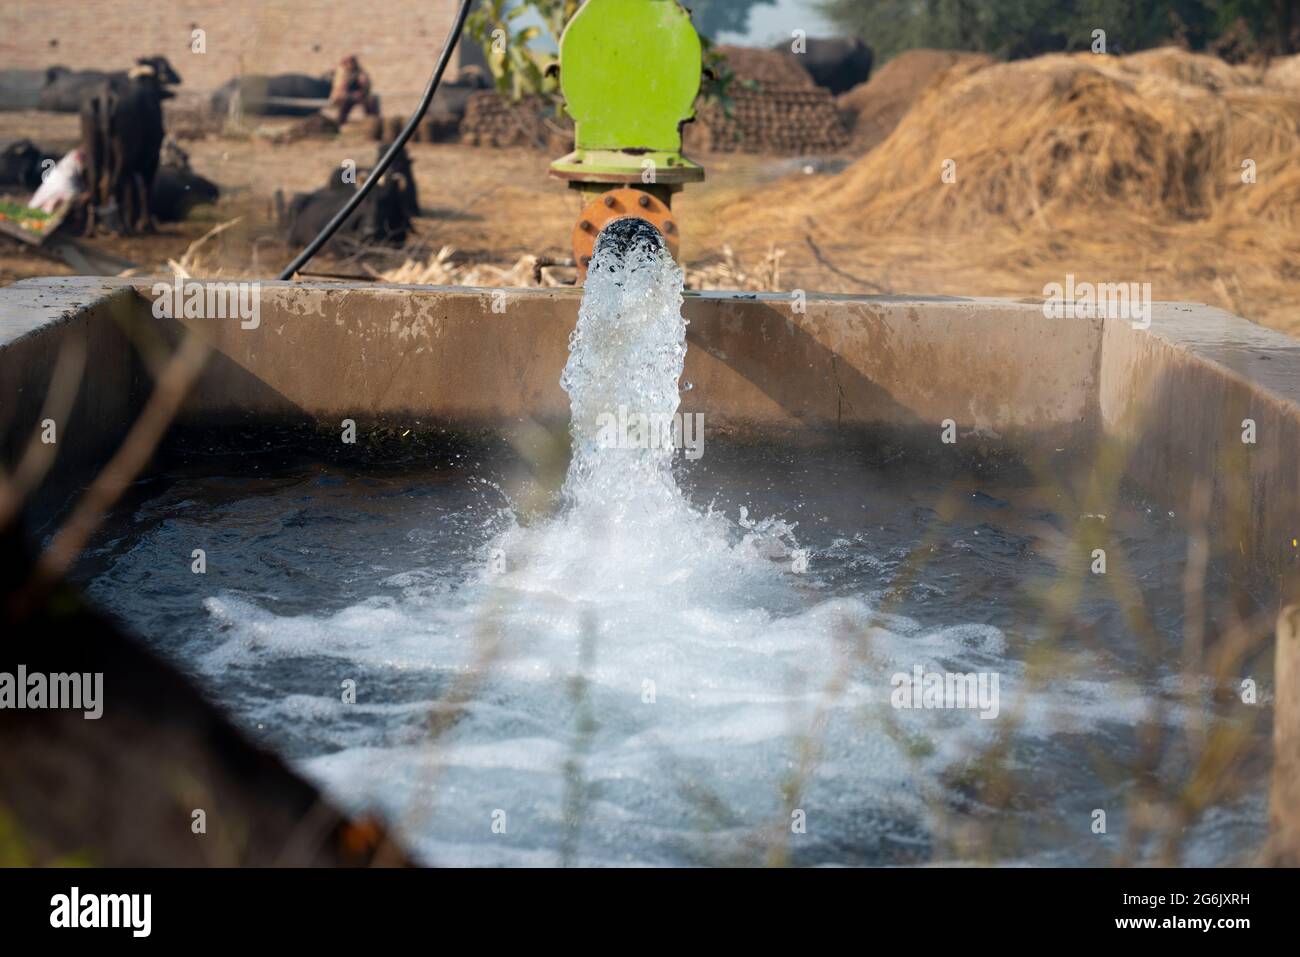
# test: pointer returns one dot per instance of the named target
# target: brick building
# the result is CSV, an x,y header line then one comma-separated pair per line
x,y
396,40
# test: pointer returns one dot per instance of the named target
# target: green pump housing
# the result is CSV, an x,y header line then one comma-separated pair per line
x,y
629,72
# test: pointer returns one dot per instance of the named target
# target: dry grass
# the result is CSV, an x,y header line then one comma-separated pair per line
x,y
1285,72
1117,169
443,269
1046,143
726,271
877,106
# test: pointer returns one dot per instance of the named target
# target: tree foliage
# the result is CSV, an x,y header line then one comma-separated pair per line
x,y
1019,28
712,17
518,68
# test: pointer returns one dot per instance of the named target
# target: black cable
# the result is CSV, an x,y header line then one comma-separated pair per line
x,y
386,160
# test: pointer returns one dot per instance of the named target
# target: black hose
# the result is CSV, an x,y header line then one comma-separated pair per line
x,y
387,159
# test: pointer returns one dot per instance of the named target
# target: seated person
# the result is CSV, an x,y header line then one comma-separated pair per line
x,y
351,87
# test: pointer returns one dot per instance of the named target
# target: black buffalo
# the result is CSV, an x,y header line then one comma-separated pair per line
x,y
405,179
381,218
121,139
66,90
176,192
254,92
177,189
22,164
21,89
339,179
399,181
453,95
837,63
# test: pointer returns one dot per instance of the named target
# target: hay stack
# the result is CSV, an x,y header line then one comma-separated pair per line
x,y
1284,72
1194,69
874,108
1065,138
1065,164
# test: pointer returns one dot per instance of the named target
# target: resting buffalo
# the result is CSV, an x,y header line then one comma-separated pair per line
x,y
453,95
22,163
406,179
381,217
121,139
838,64
67,90
254,91
176,192
21,89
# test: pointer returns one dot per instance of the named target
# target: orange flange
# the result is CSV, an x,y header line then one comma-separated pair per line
x,y
619,204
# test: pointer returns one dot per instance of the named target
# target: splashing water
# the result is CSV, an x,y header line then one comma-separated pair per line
x,y
625,527
703,665
644,681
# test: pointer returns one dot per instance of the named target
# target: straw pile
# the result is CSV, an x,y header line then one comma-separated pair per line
x,y
874,108
727,271
444,269
1285,72
1196,69
1112,169
1061,139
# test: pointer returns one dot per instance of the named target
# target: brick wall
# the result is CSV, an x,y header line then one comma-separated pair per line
x,y
396,40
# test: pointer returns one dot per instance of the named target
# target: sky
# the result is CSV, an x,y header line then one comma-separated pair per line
x,y
767,24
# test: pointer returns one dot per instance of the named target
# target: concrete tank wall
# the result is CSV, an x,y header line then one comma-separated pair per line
x,y
1173,396
1183,399
458,358
66,356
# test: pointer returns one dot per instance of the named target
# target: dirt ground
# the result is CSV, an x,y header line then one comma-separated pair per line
x,y
490,205
494,206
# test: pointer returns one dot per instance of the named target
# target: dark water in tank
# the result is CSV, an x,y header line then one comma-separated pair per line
x,y
712,706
